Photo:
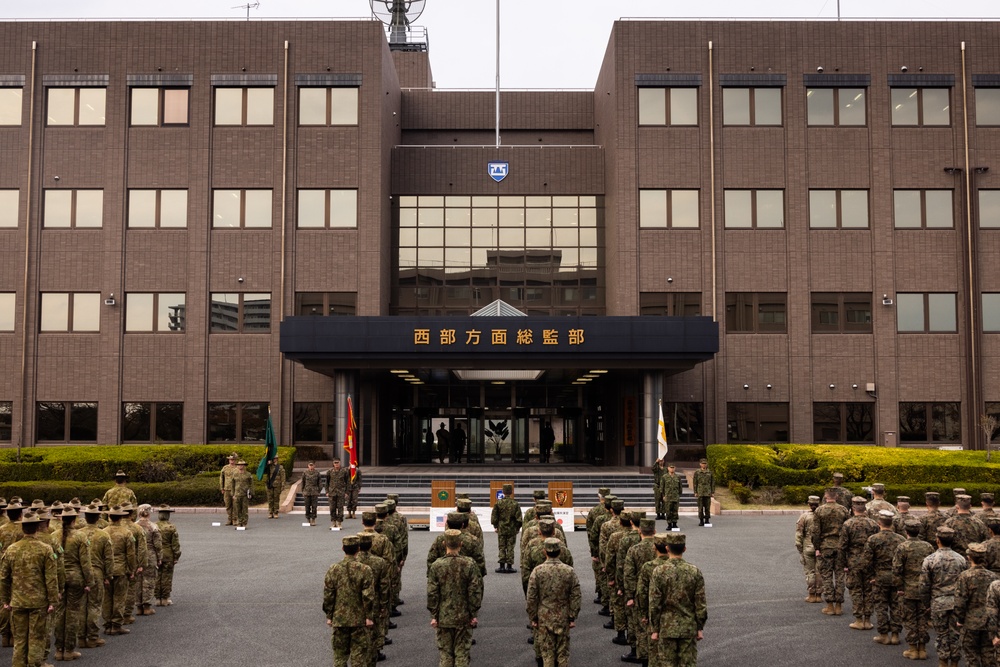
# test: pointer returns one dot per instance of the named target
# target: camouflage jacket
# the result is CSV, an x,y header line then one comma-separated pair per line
x,y
876,559
993,609
993,554
506,516
402,527
637,556
226,477
877,505
938,578
642,584
170,541
381,580
595,518
312,482
474,528
899,520
612,525
968,529
670,487
803,532
929,524
275,479
907,563
141,545
123,551
102,559
337,482
454,591
844,496
534,555
9,534
628,540
827,522
677,605
76,558
553,598
853,536
529,531
119,494
382,547
242,484
970,597
349,593
610,560
400,542
659,469
154,542
704,483
353,485
28,577
470,549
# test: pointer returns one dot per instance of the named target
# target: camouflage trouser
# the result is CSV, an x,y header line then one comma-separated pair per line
x,y
352,501
5,623
705,509
115,596
164,580
600,582
241,509
351,642
618,609
454,645
913,615
946,640
145,590
861,594
91,627
652,648
227,498
506,541
888,618
553,647
311,502
397,587
336,501
273,501
811,570
68,617
671,510
31,639
661,504
131,594
642,648
977,648
831,576
676,652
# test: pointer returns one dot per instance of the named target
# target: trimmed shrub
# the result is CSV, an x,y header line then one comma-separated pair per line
x,y
742,493
192,492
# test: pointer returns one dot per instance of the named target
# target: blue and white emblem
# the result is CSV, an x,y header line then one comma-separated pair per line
x,y
498,170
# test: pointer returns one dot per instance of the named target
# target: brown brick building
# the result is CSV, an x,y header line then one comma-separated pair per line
x,y
787,231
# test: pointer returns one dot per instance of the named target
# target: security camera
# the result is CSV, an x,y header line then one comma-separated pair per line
x,y
854,386
746,386
240,279
819,70
904,68
833,386
55,178
768,386
670,280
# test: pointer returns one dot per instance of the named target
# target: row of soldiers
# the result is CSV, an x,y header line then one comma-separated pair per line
x,y
65,567
338,485
907,570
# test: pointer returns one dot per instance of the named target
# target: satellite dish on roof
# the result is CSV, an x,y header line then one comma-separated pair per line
x,y
398,15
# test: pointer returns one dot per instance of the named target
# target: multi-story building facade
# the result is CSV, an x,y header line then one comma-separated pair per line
x,y
784,231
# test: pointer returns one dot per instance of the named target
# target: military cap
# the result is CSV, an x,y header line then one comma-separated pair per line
x,y
241,462
958,490
462,496
452,538
381,508
164,508
120,473
57,507
703,461
676,538
365,538
368,516
986,497
878,487
13,507
392,496
902,499
38,505
463,504
351,541
546,519
976,548
945,531
859,500
963,501
117,510
544,504
69,513
3,503
456,516
885,514
75,502
15,499
551,544
932,495
537,494
30,517
91,509
838,475
604,491
813,500
618,504
98,501
232,456
912,523
508,488
610,497
660,539
390,503
641,514
647,524
671,465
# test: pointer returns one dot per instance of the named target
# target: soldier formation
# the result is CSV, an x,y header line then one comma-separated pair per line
x,y
66,570
939,570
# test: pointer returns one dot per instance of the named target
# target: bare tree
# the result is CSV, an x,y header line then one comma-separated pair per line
x,y
989,425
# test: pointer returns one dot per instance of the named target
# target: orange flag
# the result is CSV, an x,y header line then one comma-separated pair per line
x,y
350,440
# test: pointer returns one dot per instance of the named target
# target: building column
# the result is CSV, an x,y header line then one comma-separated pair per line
x,y
344,385
652,390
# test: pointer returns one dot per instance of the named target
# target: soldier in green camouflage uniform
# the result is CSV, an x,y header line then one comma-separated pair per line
x,y
876,564
226,487
312,485
29,590
69,612
150,569
615,587
242,492
382,583
274,484
704,491
906,566
637,556
970,609
932,519
120,494
348,602
101,563
121,571
353,491
828,519
677,607
402,527
611,525
842,494
853,537
536,496
454,596
338,482
391,531
669,492
657,470
533,553
469,546
464,505
968,529
878,503
169,555
529,529
9,533
938,580
807,553
628,540
141,556
553,603
597,515
506,520
642,593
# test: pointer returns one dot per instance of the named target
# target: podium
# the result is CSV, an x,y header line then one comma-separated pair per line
x,y
561,497
442,502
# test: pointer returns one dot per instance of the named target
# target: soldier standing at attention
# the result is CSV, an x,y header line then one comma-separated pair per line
x,y
121,570
677,607
454,596
226,487
988,513
506,520
807,553
537,495
353,491
637,556
242,492
120,494
597,514
955,493
968,529
878,503
993,546
338,484
642,595
348,602
970,609
141,555
827,522
311,486
843,494
657,469
382,582
9,533
79,581
906,565
853,536
611,525
616,587
932,519
402,527
628,540
704,489
29,591
170,554
670,493
275,483
150,569
876,563
101,565
902,515
553,603
938,580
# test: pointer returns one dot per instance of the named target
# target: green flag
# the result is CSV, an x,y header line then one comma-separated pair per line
x,y
271,443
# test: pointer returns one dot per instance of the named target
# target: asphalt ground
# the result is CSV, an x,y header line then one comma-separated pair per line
x,y
253,598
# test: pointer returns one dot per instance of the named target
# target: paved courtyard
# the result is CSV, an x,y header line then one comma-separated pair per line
x,y
254,598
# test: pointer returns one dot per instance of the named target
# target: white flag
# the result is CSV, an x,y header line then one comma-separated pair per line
x,y
661,436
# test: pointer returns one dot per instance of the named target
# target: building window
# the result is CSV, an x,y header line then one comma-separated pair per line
x,y
989,208
164,209
6,420
993,410
668,106
10,201
79,209
760,209
328,106
684,422
920,106
929,209
757,422
836,106
76,106
66,422
326,303
671,304
249,209
10,106
751,106
237,422
314,422
926,313
987,106
8,304
930,422
755,312
841,313
838,209
844,422
244,106
328,209
991,313
675,209
160,106
77,312
240,313
152,422
159,313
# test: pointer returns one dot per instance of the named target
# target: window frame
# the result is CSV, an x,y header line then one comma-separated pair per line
x,y
327,298
70,313
755,420
923,207
329,106
245,109
667,92
992,193
10,214
752,102
12,298
328,206
153,415
838,208
755,304
217,192
995,92
843,408
154,327
921,110
327,422
6,421
77,90
161,106
74,208
241,326
69,408
837,106
19,104
931,436
669,303
754,208
158,205
994,308
239,426
926,314
669,211
843,300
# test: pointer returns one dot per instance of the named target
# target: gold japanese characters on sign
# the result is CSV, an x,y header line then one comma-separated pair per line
x,y
496,337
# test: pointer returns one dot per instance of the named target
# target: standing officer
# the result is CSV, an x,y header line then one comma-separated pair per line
x,y
338,482
827,522
878,503
312,484
101,563
853,538
670,493
876,562
704,489
938,580
454,596
807,552
506,520
597,515
353,491
553,603
933,518
120,494
348,602
171,553
677,607
124,563
906,564
444,442
844,494
242,492
458,440
226,487
971,616
275,483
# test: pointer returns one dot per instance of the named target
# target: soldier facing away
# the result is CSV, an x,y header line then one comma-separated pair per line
x,y
906,565
454,596
970,609
807,553
348,601
938,580
853,536
828,520
506,520
553,603
876,563
678,608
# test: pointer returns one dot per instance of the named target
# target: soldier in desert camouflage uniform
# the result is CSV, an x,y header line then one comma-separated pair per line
x,y
338,481
968,529
938,580
670,491
553,603
120,494
169,555
853,537
970,609
120,572
807,553
101,564
9,533
150,569
878,503
932,518
226,487
79,580
454,596
141,556
382,583
677,607
242,492
638,555
876,564
506,520
348,602
906,566
827,522
597,514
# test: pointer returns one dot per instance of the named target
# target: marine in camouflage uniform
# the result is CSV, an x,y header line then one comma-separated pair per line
x,y
454,596
101,564
382,583
353,491
506,520
150,570
938,580
678,608
932,519
987,513
902,515
275,484
669,493
970,609
876,564
843,495
807,553
169,555
553,604
878,503
906,566
120,494
827,522
704,491
993,546
597,515
348,602
79,579
638,555
657,469
853,537
338,481
993,610
242,492
614,585
968,529
226,487
312,484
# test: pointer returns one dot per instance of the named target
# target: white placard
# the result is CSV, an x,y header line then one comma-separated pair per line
x,y
335,528
216,524
708,525
485,514
564,517
439,518
241,527
306,524
675,530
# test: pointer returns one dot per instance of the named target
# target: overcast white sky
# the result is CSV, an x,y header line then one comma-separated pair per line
x,y
545,43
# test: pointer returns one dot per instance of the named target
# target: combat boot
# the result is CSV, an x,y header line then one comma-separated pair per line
x,y
868,624
894,639
604,611
838,609
502,569
59,656
312,522
912,652
858,624
610,625
539,662
119,630
630,657
828,609
943,663
71,655
148,610
6,641
620,639
881,639
510,568
922,648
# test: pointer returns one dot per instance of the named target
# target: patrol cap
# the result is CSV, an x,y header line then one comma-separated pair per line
x,y
508,488
660,539
903,499
912,523
455,517
393,496
963,501
390,504
544,505
647,525
945,531
463,504
838,475
365,538
976,548
859,500
618,505
351,541
878,487
462,496
813,500
676,538
368,516
958,491
932,497
705,461
537,494
452,538
546,519
986,497
381,508
604,491
551,545
885,514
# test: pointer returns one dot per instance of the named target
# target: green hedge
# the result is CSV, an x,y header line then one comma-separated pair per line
x,y
797,495
192,492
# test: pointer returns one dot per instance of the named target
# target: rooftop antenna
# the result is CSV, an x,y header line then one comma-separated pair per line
x,y
399,15
248,7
